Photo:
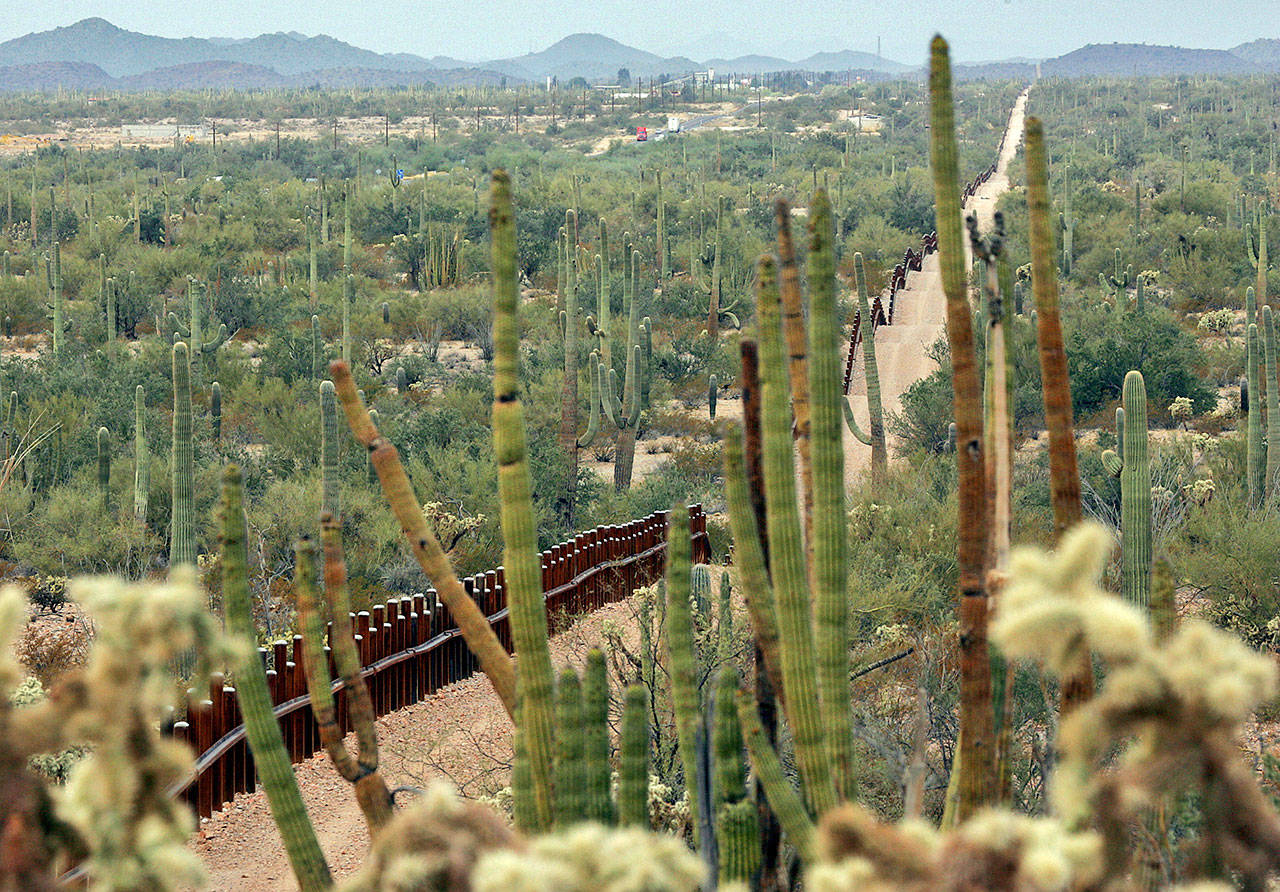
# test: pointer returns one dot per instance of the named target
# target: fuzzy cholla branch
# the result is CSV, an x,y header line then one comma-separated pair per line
x,y
1172,710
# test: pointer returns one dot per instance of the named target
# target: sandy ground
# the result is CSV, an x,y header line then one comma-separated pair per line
x,y
902,349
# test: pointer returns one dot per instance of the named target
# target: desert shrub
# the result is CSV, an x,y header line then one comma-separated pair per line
x,y
48,649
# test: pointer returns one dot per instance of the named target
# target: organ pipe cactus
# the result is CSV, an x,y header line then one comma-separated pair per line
x,y
976,784
683,662
874,437
1273,404
182,537
215,410
329,443
633,759
1132,465
1255,458
596,750
270,758
528,611
360,770
1064,473
570,762
737,822
141,457
1255,245
104,467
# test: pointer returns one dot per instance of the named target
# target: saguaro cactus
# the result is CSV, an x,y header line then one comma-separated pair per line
x,y
1132,465
330,498
215,411
104,466
182,537
194,330
874,437
520,555
1255,244
976,784
270,757
1273,404
1255,458
141,457
348,290
569,390
53,269
570,767
317,349
633,760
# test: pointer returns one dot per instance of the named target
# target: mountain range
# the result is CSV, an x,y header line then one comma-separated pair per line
x,y
94,54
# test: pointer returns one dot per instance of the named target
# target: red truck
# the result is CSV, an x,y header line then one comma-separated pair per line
x,y
642,134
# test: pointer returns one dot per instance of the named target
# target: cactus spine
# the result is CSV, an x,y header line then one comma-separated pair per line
x,y
141,458
265,741
528,611
182,541
1133,468
874,437
330,498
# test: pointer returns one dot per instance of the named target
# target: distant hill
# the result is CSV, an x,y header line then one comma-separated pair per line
x,y
1263,53
848,60
1130,59
592,56
95,54
123,53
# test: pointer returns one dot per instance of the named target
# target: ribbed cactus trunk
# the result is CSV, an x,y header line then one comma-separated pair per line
x,y
348,290
570,761
1064,474
976,784
182,537
1255,457
737,824
111,310
633,759
569,389
141,457
635,381
528,614
317,349
596,749
270,757
1133,467
829,576
871,372
1273,404
104,467
681,658
330,500
793,330
55,289
713,314
664,262
312,286
215,410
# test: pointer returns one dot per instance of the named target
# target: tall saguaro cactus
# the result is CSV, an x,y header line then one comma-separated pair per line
x,y
182,537
520,555
1273,403
1255,458
1064,473
1132,465
874,436
1255,243
141,457
330,499
976,784
569,389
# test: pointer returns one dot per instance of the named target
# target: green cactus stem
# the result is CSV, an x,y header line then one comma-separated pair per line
x,y
182,541
874,437
570,760
737,823
595,722
317,349
713,385
827,542
104,467
1255,243
330,500
783,799
714,311
976,784
312,277
193,332
569,389
593,420
55,290
111,310
793,332
1133,467
633,759
215,410
141,457
270,758
1255,457
786,553
348,291
402,380
681,655
528,611
1273,404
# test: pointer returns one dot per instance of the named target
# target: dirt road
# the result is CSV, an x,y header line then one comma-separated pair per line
x,y
902,349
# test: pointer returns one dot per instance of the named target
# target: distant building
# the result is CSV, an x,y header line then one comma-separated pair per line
x,y
163,131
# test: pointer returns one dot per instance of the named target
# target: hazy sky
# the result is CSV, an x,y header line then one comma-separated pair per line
x,y
487,29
